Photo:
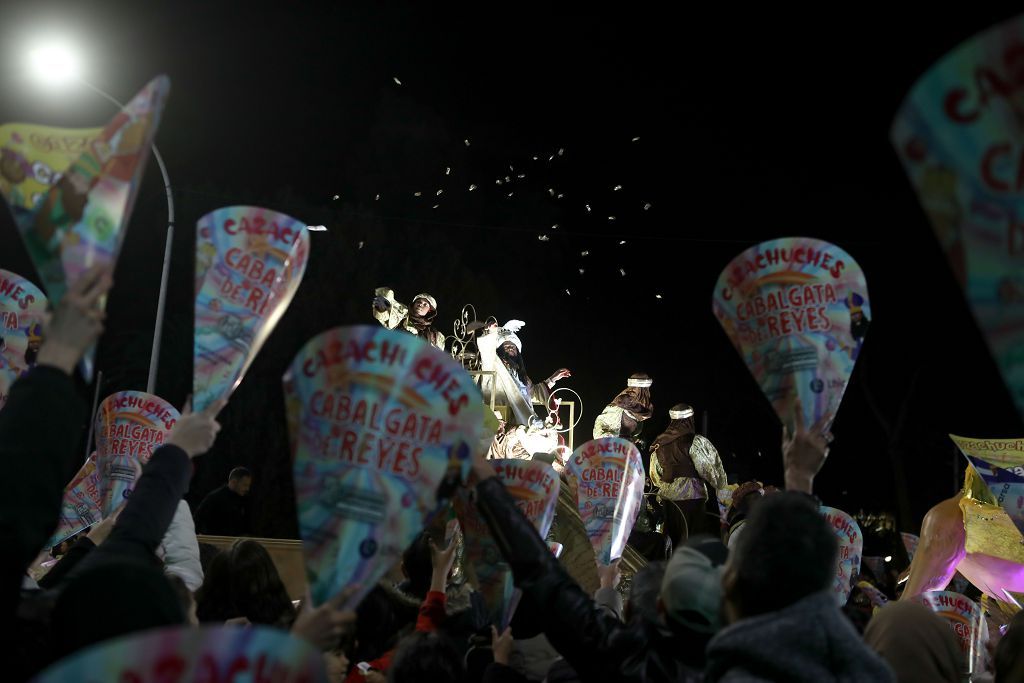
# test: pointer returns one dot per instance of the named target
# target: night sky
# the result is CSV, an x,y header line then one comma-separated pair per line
x,y
750,127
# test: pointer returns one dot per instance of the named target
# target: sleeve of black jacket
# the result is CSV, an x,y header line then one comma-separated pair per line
x,y
146,516
39,432
583,633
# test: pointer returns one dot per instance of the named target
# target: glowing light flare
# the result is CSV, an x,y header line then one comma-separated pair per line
x,y
54,62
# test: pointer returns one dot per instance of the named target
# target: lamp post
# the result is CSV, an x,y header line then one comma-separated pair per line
x,y
56,64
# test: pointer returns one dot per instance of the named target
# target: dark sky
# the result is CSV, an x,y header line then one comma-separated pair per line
x,y
751,126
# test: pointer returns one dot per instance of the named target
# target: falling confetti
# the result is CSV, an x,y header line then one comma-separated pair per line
x,y
623,271
508,179
555,226
439,193
611,219
435,206
316,228
498,181
551,191
561,151
581,271
521,176
472,187
568,292
511,169
336,197
417,194
647,206
535,158
509,194
622,242
543,238
395,79
588,207
560,195
467,142
616,188
636,139
360,245
377,198
657,296
584,253
551,158
447,170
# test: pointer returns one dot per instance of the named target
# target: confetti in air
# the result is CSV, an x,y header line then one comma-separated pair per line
x,y
439,193
435,206
555,226
581,271
336,197
395,79
636,139
588,207
584,253
616,188
561,151
417,194
657,296
551,191
611,219
521,176
568,292
508,179
510,194
622,242
535,158
498,181
467,142
623,271
316,228
472,187
551,158
360,245
377,198
447,170
543,238
560,195
647,206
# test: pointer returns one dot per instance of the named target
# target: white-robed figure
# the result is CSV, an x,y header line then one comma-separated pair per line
x,y
501,352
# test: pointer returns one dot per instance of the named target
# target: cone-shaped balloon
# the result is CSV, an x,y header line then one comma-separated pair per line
x,y
22,314
386,426
797,311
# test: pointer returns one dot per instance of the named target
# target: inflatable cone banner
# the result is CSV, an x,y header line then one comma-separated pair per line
x,y
22,313
249,264
80,221
386,425
533,484
184,653
609,476
33,158
130,425
1000,464
797,310
80,507
851,547
964,616
958,134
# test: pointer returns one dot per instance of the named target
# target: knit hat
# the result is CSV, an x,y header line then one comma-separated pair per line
x,y
691,590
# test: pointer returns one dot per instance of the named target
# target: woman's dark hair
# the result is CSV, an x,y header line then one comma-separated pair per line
x,y
426,657
418,567
243,582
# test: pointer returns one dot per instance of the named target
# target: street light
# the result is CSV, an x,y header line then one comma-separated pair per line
x,y
56,63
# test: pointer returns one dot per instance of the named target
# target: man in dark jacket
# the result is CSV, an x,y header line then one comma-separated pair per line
x,y
785,623
224,511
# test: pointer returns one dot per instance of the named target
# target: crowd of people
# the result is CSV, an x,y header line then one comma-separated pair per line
x,y
748,600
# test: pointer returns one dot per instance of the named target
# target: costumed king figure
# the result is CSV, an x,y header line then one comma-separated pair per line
x,y
417,319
